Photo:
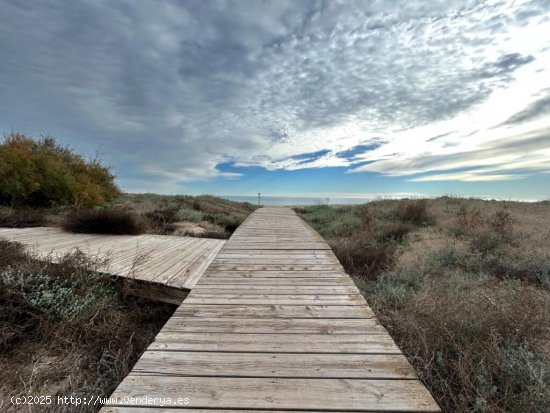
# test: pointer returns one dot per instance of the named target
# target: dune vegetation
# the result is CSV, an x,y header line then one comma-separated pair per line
x,y
462,285
45,183
43,173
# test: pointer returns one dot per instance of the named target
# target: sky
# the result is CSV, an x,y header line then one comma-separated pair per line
x,y
289,98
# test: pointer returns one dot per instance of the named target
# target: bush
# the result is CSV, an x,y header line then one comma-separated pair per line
x,y
11,253
501,223
394,289
414,212
67,299
446,257
213,233
366,216
394,231
190,215
228,222
161,221
467,219
485,242
21,218
333,222
42,173
363,256
104,221
534,268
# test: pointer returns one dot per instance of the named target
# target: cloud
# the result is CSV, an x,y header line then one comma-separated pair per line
x,y
535,110
172,89
480,175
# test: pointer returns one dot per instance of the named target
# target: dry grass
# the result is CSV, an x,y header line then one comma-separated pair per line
x,y
20,218
210,216
65,330
464,291
200,216
205,216
104,221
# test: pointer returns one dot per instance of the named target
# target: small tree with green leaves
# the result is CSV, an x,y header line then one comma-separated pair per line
x,y
43,173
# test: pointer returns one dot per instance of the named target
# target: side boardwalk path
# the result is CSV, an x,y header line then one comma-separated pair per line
x,y
173,262
274,324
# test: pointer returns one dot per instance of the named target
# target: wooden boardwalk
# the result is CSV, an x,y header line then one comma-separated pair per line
x,y
274,324
176,262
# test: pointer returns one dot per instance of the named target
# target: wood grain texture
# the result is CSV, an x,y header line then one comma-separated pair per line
x,y
274,324
176,262
268,393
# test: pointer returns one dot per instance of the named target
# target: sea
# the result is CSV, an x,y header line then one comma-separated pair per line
x,y
297,201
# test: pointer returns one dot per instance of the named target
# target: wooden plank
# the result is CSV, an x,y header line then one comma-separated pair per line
x,y
285,289
193,275
303,299
363,366
274,325
211,272
212,280
275,343
269,393
274,311
273,267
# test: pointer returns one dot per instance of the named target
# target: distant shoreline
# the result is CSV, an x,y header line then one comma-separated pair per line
x,y
335,201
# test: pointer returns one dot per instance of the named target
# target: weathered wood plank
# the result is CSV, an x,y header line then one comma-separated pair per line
x,y
269,393
363,366
176,262
303,299
298,280
274,311
275,274
275,343
285,289
274,325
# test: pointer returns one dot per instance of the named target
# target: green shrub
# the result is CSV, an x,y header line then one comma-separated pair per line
x,y
332,222
21,218
534,268
104,221
393,290
42,173
61,298
446,257
190,215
